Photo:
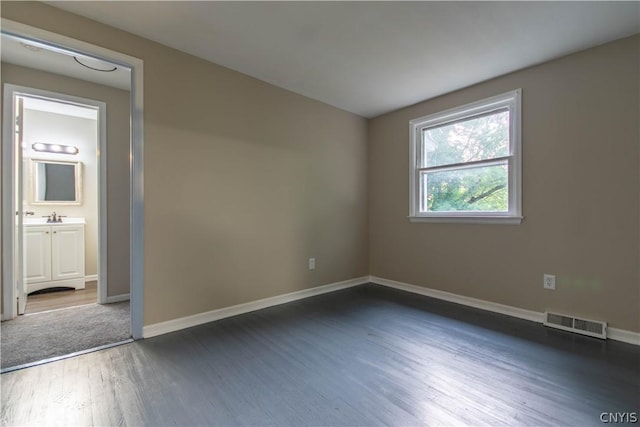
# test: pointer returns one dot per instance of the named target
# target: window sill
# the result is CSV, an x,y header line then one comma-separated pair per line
x,y
507,220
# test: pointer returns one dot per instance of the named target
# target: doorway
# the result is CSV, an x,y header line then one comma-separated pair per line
x,y
60,140
13,230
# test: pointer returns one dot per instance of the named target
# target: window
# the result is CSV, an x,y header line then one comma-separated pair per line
x,y
465,163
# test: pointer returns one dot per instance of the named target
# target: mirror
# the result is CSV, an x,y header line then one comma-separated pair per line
x,y
55,183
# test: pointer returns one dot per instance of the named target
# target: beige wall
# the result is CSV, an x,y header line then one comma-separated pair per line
x,y
243,181
117,101
580,142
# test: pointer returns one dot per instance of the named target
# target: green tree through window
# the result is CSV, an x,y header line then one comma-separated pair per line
x,y
482,188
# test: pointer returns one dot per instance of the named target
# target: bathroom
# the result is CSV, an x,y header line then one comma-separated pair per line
x,y
60,182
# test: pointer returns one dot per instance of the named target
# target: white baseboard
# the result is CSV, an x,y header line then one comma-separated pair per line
x,y
534,316
210,316
90,278
623,335
520,313
117,298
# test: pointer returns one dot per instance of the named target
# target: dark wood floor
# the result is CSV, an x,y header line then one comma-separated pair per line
x,y
37,303
362,356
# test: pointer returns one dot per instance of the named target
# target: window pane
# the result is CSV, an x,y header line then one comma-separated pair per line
x,y
477,138
482,188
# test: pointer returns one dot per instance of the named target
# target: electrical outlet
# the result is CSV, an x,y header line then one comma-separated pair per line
x,y
312,263
549,282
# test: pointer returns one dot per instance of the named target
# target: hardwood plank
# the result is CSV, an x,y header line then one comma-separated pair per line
x,y
37,303
363,356
105,408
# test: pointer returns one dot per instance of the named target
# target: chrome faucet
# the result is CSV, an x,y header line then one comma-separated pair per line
x,y
27,213
55,218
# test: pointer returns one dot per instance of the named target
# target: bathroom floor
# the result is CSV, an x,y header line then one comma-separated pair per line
x,y
62,299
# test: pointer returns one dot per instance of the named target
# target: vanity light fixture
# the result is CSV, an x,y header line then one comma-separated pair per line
x,y
55,148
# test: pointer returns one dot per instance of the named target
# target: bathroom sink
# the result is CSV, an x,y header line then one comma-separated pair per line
x,y
35,221
43,221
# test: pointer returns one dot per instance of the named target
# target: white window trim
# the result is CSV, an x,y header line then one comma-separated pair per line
x,y
511,100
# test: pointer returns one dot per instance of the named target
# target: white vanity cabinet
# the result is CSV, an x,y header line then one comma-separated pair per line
x,y
54,255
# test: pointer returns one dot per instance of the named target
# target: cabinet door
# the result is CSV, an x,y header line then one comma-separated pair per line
x,y
38,254
67,252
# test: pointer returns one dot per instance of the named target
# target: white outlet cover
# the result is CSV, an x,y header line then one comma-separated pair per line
x,y
549,281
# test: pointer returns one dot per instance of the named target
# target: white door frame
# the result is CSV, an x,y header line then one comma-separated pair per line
x,y
136,214
10,91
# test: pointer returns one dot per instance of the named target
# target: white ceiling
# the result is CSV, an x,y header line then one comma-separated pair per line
x,y
371,57
62,108
41,57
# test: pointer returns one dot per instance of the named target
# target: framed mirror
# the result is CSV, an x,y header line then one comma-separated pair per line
x,y
56,182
